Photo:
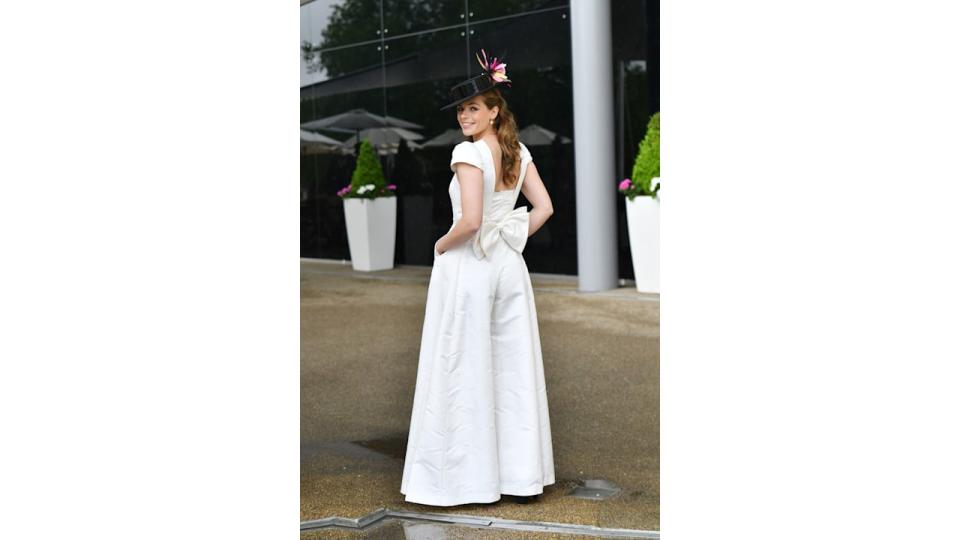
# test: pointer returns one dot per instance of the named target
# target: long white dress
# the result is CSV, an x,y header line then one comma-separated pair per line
x,y
480,425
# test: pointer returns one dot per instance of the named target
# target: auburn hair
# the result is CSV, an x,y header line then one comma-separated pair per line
x,y
506,128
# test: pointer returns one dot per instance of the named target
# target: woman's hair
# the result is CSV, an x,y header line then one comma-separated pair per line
x,y
506,127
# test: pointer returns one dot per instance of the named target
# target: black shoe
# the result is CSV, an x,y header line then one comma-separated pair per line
x,y
523,499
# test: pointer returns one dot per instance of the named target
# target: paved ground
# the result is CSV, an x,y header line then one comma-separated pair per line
x,y
419,531
360,336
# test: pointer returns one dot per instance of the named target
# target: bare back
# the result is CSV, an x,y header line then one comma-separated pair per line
x,y
497,154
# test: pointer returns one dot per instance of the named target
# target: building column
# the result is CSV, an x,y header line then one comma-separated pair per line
x,y
593,127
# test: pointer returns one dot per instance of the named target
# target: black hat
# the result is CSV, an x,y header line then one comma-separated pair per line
x,y
494,73
468,89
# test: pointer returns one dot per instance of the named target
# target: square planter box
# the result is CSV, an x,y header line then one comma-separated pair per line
x,y
371,232
643,226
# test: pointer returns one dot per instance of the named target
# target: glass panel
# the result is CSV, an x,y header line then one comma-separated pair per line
x,y
402,17
335,23
480,10
331,24
537,50
636,55
352,78
324,168
408,79
420,70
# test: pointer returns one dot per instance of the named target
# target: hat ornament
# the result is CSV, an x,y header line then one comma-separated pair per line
x,y
495,69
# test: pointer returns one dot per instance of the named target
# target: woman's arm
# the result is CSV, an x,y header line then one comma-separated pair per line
x,y
471,203
535,192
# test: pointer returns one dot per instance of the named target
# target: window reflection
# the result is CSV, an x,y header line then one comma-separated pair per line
x,y
399,67
419,71
487,9
402,17
538,62
329,24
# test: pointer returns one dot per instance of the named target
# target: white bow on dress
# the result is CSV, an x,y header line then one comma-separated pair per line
x,y
512,227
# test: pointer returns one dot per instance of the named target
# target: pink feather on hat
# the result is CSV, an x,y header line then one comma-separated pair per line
x,y
496,69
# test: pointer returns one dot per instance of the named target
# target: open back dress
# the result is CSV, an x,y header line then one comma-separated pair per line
x,y
480,426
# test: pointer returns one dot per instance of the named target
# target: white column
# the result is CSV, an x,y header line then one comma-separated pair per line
x,y
592,59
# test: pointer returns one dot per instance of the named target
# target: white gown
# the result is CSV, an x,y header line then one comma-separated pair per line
x,y
480,426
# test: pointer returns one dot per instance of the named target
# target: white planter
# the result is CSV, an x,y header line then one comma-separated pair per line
x,y
643,226
371,232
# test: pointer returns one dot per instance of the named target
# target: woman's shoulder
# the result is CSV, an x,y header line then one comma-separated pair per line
x,y
524,152
465,146
466,152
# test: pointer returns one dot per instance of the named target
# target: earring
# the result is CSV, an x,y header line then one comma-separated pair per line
x,y
491,120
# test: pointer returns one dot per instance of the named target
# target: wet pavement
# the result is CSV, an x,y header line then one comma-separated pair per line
x,y
360,337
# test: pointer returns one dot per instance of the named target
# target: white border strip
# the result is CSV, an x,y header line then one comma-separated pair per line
x,y
365,522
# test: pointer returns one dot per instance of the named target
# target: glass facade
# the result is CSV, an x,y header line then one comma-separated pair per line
x,y
398,58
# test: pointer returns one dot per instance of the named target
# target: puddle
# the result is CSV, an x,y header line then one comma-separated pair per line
x,y
595,489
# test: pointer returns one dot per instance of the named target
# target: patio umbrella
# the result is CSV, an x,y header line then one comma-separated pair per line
x,y
379,136
392,148
355,120
317,138
537,135
315,143
450,137
397,122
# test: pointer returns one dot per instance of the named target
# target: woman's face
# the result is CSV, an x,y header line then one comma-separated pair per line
x,y
474,117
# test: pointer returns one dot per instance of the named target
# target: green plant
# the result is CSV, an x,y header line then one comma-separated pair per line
x,y
646,167
367,181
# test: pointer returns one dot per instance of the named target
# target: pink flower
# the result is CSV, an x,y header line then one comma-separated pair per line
x,y
391,186
496,69
625,184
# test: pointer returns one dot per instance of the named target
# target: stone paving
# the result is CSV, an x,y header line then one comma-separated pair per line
x,y
360,336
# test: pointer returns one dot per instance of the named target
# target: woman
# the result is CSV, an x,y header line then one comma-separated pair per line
x,y
480,427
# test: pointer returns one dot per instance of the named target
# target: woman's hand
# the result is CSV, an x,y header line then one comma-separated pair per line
x,y
436,247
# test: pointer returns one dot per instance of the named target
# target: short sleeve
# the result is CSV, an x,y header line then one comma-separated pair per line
x,y
465,152
525,154
525,160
